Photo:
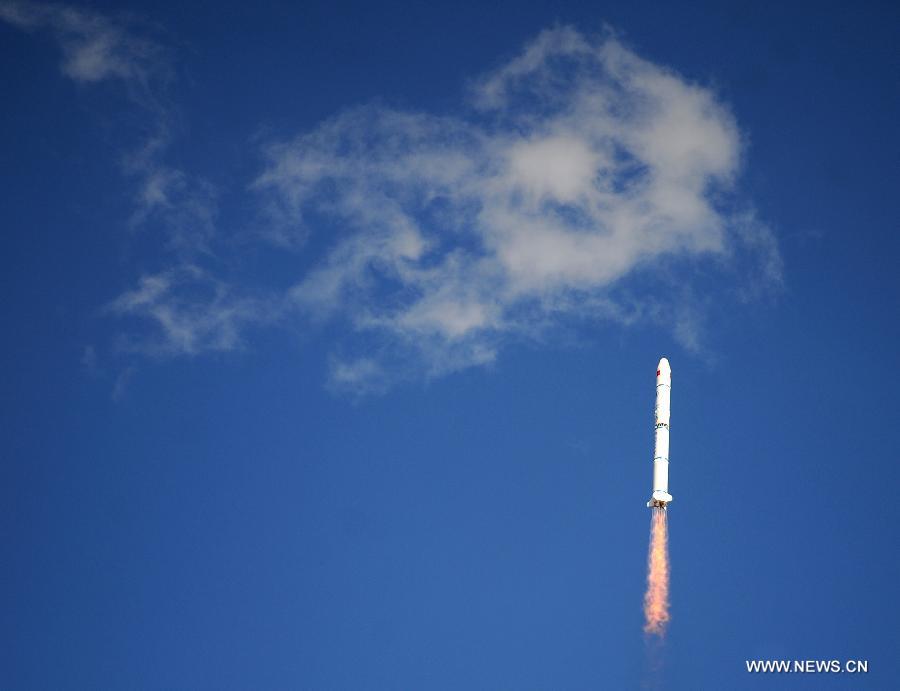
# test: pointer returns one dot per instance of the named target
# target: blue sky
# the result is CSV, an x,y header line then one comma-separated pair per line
x,y
331,334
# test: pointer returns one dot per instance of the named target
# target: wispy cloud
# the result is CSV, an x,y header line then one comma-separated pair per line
x,y
94,47
579,165
358,377
98,48
186,311
185,206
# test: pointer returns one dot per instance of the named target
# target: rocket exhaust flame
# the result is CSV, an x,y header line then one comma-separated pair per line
x,y
656,599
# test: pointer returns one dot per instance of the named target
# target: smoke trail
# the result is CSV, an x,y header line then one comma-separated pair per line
x,y
656,599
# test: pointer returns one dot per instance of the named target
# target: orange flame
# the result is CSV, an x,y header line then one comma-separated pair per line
x,y
656,600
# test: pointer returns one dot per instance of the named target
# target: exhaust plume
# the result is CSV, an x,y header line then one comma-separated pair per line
x,y
656,599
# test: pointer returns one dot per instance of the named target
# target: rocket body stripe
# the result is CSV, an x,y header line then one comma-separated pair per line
x,y
662,413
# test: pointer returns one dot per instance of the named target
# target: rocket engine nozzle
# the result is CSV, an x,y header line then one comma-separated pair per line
x,y
659,500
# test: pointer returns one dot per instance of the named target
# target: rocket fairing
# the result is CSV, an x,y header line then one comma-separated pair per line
x,y
661,496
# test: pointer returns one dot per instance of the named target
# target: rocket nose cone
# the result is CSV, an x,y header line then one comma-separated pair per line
x,y
663,372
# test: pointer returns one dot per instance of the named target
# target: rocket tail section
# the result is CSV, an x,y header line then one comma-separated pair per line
x,y
659,500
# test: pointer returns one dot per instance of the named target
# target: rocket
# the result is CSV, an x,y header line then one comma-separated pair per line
x,y
661,496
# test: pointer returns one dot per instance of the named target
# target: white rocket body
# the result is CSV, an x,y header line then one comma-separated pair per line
x,y
661,495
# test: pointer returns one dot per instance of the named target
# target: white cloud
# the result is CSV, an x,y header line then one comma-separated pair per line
x,y
494,89
357,377
185,206
559,168
99,48
582,164
188,312
579,183
94,47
